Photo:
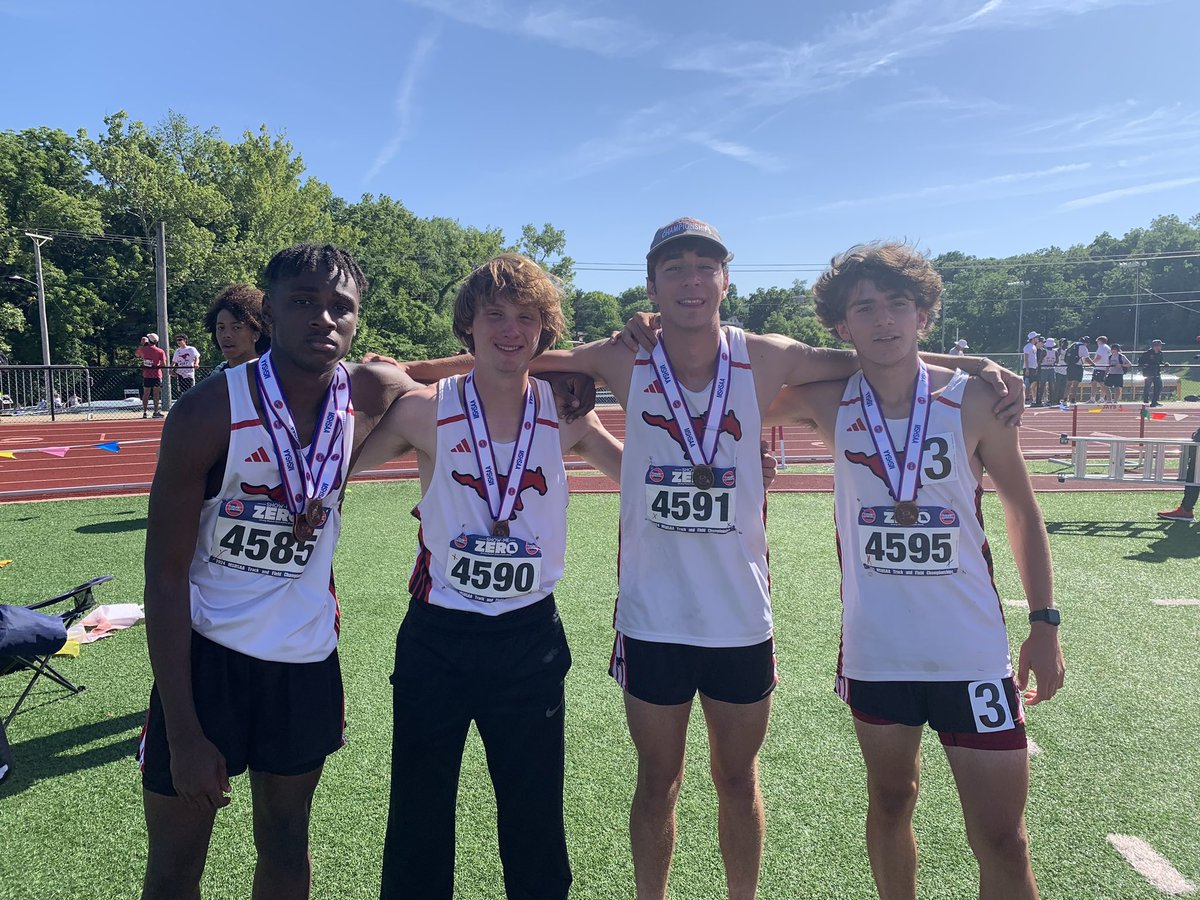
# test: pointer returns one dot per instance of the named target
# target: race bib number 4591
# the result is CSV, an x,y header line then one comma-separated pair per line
x,y
256,536
673,503
930,547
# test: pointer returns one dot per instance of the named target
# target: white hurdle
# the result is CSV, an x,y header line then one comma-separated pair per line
x,y
1132,459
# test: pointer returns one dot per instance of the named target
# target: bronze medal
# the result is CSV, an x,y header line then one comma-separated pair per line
x,y
304,525
907,512
302,529
702,477
500,529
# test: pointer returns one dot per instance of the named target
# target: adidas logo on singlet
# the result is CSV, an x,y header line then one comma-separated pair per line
x,y
259,455
463,446
652,388
858,425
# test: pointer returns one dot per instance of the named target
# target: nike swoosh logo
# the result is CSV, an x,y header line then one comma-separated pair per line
x,y
551,713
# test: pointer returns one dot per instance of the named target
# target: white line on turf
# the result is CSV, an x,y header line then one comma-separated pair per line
x,y
1034,749
1151,865
1176,602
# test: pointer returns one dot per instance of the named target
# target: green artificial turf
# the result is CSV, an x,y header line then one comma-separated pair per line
x,y
1119,743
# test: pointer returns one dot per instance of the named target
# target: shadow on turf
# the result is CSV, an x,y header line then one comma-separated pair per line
x,y
53,754
1167,540
113,527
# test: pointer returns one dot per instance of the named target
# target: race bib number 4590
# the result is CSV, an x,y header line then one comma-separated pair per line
x,y
488,568
673,503
930,547
256,536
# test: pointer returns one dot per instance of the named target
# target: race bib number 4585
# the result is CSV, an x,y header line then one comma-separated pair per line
x,y
930,547
673,503
256,536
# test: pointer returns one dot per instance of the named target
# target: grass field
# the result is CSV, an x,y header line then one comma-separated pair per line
x,y
1119,745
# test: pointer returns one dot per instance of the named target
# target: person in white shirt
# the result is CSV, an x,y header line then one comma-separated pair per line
x,y
911,443
959,347
184,361
1029,365
1100,370
1114,382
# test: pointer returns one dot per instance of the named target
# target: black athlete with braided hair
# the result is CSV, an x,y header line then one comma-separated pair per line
x,y
243,642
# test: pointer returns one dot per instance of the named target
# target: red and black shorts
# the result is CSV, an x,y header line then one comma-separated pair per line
x,y
670,674
981,715
273,717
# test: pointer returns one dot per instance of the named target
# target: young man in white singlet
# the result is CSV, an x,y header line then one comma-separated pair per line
x,y
482,640
241,617
923,636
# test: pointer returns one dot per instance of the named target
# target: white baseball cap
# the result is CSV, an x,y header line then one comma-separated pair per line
x,y
1032,335
962,345
1051,343
152,338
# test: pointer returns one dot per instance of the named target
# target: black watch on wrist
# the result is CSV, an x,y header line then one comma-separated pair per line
x,y
1049,615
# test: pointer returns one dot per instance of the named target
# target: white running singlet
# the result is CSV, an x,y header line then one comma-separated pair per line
x,y
918,603
459,564
255,588
693,564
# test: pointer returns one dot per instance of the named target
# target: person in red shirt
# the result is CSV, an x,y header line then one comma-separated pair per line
x,y
154,360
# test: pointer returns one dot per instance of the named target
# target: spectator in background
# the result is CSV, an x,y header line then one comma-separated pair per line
x,y
1118,365
1047,356
1077,356
1029,365
960,346
1100,369
1151,364
184,361
235,322
1058,387
154,360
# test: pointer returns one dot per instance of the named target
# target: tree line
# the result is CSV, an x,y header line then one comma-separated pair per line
x,y
228,206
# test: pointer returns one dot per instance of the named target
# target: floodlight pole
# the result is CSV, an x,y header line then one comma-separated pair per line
x,y
38,240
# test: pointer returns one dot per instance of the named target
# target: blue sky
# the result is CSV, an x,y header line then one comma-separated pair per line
x,y
797,128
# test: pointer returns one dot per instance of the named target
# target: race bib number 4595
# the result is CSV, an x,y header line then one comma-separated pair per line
x,y
256,536
673,503
930,547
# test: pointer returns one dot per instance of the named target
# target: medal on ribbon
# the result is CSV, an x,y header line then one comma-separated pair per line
x,y
499,505
307,477
701,451
902,481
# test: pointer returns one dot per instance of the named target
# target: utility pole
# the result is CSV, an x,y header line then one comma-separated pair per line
x,y
160,292
38,240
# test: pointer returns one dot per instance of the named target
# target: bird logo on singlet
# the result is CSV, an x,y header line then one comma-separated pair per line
x,y
874,463
276,493
729,425
531,479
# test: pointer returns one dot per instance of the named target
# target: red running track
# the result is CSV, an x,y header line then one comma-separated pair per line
x,y
87,470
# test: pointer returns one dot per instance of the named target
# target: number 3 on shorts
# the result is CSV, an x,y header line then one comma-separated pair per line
x,y
989,704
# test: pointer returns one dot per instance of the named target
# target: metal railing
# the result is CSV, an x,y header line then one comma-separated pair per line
x,y
78,392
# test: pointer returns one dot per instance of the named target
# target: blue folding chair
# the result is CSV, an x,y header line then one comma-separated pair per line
x,y
30,637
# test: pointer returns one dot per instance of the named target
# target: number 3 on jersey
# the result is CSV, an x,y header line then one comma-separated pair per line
x,y
937,458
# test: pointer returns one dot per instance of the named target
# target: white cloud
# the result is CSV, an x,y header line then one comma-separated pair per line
x,y
963,192
1153,187
557,25
405,101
